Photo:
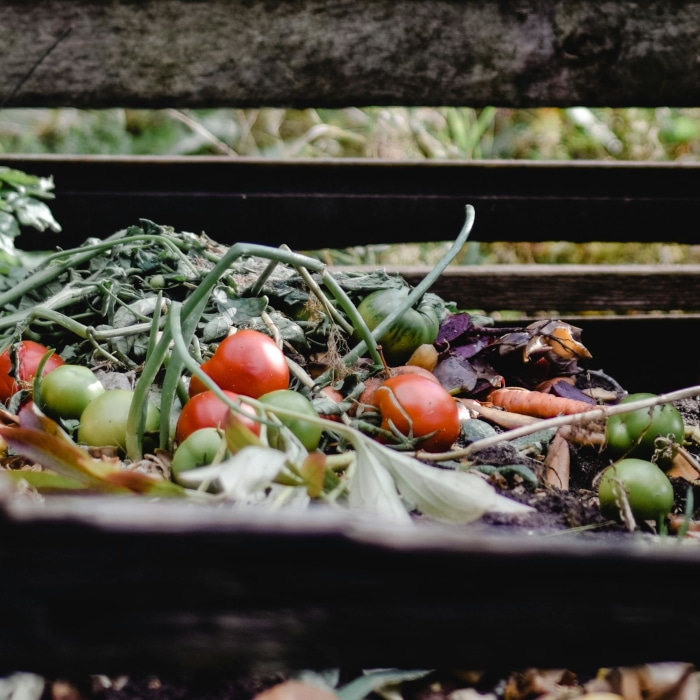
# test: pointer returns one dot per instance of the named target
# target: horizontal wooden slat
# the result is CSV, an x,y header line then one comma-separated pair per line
x,y
310,204
94,585
565,288
180,53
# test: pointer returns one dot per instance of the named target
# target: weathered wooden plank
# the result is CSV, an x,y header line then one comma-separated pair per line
x,y
95,585
196,53
565,288
312,203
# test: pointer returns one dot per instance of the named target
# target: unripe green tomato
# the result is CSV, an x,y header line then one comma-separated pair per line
x,y
67,390
308,434
633,434
648,489
198,449
103,422
417,326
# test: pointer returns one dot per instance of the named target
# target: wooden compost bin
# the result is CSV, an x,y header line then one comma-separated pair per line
x,y
102,585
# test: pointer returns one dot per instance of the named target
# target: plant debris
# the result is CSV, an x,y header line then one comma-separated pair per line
x,y
148,306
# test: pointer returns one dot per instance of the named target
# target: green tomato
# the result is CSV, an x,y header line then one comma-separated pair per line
x,y
416,327
633,434
649,491
198,449
67,390
308,434
103,422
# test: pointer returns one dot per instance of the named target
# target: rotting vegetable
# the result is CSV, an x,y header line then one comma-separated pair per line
x,y
418,411
19,365
66,391
158,309
103,422
637,488
309,434
635,434
415,327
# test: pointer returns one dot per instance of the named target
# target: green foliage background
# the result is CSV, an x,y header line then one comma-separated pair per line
x,y
661,134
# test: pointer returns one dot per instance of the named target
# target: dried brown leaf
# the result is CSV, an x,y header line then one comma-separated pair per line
x,y
557,463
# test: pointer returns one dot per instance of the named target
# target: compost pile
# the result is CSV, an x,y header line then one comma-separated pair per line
x,y
161,364
387,398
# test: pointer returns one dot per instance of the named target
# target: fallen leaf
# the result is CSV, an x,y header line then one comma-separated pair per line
x,y
557,463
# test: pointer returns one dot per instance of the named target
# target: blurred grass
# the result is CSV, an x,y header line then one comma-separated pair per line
x,y
661,134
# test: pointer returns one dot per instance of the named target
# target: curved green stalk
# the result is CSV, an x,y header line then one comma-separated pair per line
x,y
56,263
191,311
419,290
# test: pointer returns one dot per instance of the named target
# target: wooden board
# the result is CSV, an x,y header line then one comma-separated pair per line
x,y
309,204
195,53
95,585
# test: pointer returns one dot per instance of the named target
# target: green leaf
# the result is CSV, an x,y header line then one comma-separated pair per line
x,y
32,212
373,681
247,474
19,179
44,481
9,229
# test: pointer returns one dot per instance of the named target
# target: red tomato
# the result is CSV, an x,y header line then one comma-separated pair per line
x,y
207,410
29,356
417,407
247,362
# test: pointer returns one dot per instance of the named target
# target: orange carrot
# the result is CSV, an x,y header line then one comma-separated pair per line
x,y
536,403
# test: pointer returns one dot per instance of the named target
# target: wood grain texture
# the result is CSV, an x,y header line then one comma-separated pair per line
x,y
543,289
308,204
196,53
100,585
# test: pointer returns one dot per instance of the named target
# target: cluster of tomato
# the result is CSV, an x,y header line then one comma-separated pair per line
x,y
411,405
72,393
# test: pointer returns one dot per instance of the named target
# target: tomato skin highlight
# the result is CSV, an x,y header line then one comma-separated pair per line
x,y
207,410
417,407
248,363
417,326
29,355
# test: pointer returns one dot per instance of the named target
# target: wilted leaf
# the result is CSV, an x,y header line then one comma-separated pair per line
x,y
57,454
372,488
43,481
374,681
444,494
456,375
137,482
245,474
36,214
